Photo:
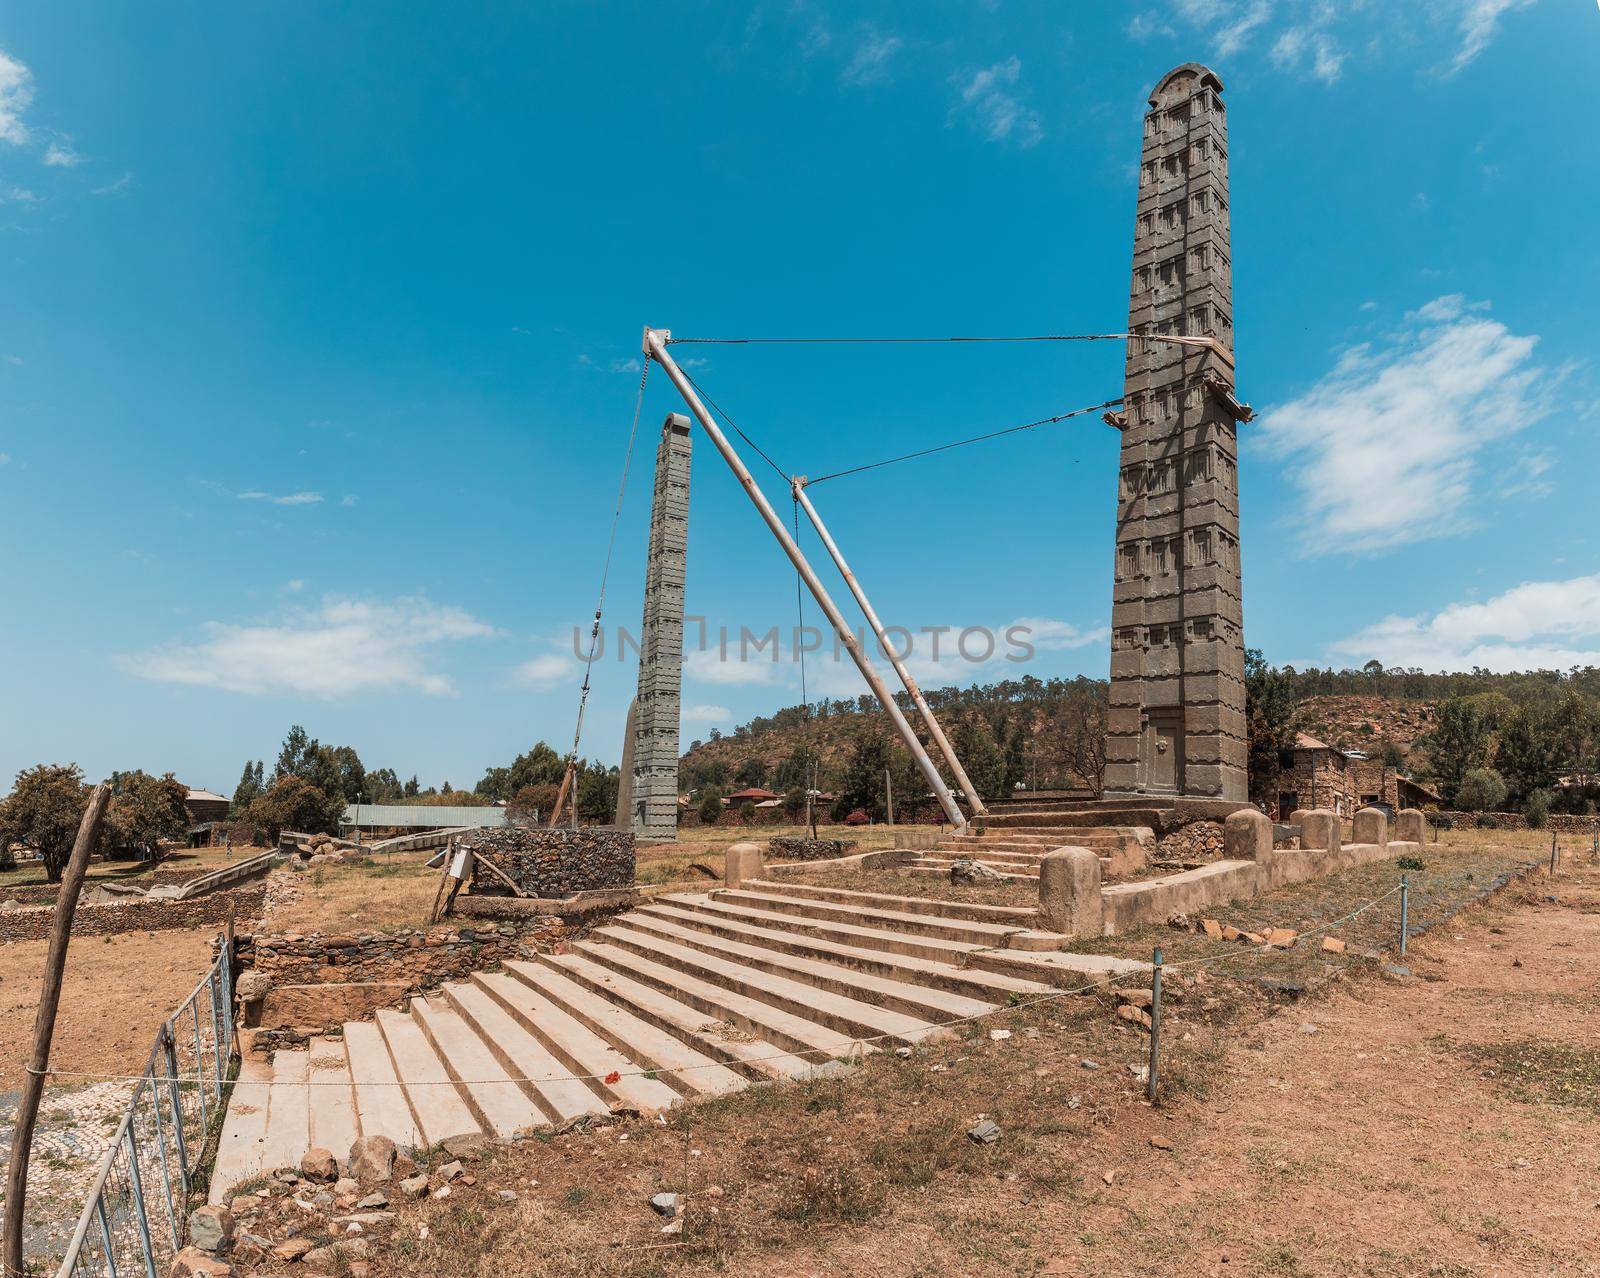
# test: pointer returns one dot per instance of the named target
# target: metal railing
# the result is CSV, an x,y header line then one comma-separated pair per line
x,y
133,1221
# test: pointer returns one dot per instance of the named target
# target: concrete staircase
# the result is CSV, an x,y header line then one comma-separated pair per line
x,y
1017,850
692,995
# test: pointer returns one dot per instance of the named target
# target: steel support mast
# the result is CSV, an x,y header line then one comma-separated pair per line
x,y
655,346
798,487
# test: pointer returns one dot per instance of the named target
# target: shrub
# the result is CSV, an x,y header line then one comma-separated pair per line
x,y
1536,808
711,806
1482,790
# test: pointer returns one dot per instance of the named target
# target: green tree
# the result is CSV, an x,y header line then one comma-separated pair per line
x,y
540,765
1458,744
293,803
752,772
1481,790
597,793
1528,753
251,784
1536,808
382,786
984,763
43,811
146,810
411,789
711,806
1269,707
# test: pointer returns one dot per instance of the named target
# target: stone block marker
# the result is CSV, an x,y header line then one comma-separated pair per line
x,y
1410,826
1371,825
1320,829
744,862
1069,893
1247,836
1297,816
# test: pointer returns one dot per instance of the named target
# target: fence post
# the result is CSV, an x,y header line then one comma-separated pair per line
x,y
1155,1025
1552,852
169,1050
137,1186
105,1235
161,1140
1405,910
199,1069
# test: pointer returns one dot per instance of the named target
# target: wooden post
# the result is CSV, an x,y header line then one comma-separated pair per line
x,y
44,1024
561,795
888,796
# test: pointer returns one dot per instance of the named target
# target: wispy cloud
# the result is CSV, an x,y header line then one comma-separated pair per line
x,y
1544,625
1146,25
546,671
282,499
343,647
349,499
15,360
869,63
61,156
1480,23
117,187
989,99
1385,448
1234,34
706,714
16,93
5,459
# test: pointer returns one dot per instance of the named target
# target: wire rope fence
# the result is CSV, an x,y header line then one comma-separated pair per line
x,y
133,1220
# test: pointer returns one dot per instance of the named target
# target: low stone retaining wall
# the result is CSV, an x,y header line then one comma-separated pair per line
x,y
784,848
551,863
421,959
1197,841
32,923
1073,902
1560,822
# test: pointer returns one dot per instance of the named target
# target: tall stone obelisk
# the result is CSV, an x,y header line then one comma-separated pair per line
x,y
1177,721
650,794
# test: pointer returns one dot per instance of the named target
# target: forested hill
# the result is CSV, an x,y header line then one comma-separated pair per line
x,y
1046,733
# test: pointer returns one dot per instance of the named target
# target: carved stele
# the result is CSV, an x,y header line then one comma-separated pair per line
x,y
1177,723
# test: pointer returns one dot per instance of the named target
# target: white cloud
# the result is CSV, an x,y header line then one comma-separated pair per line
x,y
1236,34
1545,625
1328,61
294,586
61,156
5,459
19,195
344,646
869,64
117,187
547,671
16,92
1480,23
707,714
12,359
1143,26
283,499
997,111
349,499
1385,449
1369,305
710,665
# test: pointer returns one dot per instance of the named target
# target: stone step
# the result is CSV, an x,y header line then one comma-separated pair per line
x,y
741,1051
499,1105
933,1005
289,1114
811,1042
543,1079
892,920
438,1107
886,940
899,967
1151,817
334,1125
853,1017
1004,861
579,1048
993,853
241,1149
690,1072
972,911
381,1106
1012,873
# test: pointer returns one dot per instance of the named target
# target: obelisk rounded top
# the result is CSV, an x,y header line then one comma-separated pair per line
x,y
1180,83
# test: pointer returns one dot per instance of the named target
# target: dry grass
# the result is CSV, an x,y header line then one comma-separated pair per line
x,y
379,896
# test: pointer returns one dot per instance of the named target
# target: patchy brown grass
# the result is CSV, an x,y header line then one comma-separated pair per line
x,y
377,896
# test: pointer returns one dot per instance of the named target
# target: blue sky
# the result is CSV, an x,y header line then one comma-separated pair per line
x,y
319,330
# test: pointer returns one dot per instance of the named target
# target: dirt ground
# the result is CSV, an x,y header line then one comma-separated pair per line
x,y
117,991
1436,1121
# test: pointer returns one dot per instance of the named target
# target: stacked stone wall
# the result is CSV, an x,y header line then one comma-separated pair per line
x,y
33,923
422,958
784,848
1560,822
554,863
